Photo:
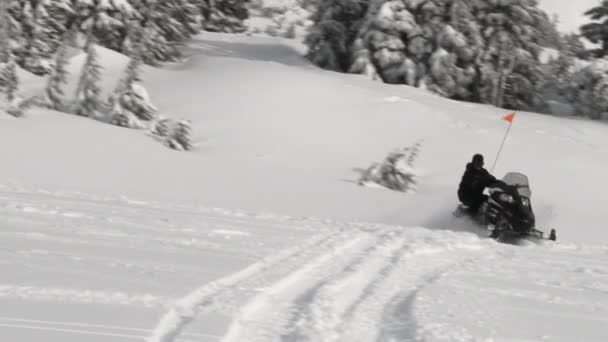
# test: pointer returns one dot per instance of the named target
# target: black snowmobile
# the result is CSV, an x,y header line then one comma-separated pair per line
x,y
508,210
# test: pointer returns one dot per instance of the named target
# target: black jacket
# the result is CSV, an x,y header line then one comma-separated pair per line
x,y
473,183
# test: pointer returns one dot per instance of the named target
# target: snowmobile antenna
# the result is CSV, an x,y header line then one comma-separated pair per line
x,y
509,118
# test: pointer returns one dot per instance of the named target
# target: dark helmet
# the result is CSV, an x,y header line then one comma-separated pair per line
x,y
478,160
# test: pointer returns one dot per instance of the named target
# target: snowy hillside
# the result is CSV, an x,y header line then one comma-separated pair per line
x,y
108,235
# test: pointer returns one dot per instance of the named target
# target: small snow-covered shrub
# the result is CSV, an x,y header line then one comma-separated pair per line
x,y
179,137
132,108
17,107
286,18
396,172
160,127
174,134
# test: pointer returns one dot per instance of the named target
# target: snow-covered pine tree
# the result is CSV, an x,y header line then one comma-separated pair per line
x,y
130,102
396,172
11,81
105,19
572,44
509,65
161,127
224,15
597,31
18,18
58,76
382,41
132,107
8,68
456,43
5,50
587,90
43,23
87,94
180,136
9,99
336,23
162,27
288,18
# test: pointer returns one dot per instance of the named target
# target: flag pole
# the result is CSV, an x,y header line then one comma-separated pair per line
x,y
503,143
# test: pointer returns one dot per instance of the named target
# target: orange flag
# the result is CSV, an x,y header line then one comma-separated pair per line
x,y
509,117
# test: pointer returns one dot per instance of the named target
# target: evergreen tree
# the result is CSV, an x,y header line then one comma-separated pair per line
x,y
9,75
8,69
180,137
130,101
587,90
58,76
162,27
105,20
483,51
131,105
18,17
87,93
43,41
452,71
224,15
5,48
509,66
597,31
335,29
573,46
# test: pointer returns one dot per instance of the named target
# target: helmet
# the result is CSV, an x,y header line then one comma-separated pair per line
x,y
478,161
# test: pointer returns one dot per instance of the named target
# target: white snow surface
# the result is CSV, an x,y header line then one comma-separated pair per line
x,y
261,232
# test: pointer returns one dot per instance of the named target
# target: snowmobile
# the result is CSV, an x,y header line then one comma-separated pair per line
x,y
508,211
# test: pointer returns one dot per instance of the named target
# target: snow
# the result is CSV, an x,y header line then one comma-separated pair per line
x,y
261,233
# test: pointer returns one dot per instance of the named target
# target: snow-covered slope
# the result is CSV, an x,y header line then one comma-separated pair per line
x,y
103,228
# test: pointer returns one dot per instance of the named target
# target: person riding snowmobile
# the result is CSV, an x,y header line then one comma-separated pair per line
x,y
474,181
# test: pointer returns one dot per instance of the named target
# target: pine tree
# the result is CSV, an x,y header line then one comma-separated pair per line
x,y
224,15
162,27
179,138
17,20
11,80
132,107
58,76
161,127
573,46
106,20
8,68
509,66
457,44
396,172
87,93
5,49
597,31
334,31
43,23
130,101
587,90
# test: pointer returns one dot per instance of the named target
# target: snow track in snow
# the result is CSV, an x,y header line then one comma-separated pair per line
x,y
344,297
82,296
222,294
337,286
98,330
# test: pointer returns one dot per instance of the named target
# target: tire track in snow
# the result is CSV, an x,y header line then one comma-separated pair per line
x,y
82,296
224,292
87,327
339,295
349,306
270,312
421,261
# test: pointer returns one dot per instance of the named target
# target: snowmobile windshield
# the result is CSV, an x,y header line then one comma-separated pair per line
x,y
519,181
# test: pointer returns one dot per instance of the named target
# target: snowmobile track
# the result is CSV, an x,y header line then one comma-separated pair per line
x,y
343,295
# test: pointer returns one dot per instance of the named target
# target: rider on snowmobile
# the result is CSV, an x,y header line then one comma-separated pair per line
x,y
474,181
